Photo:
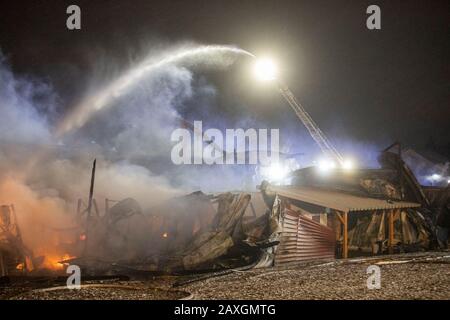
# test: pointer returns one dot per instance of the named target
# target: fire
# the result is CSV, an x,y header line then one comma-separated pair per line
x,y
67,257
53,261
20,266
37,218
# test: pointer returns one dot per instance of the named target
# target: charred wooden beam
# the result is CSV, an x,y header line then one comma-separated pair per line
x,y
89,208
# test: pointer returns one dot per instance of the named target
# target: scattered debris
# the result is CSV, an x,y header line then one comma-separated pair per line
x,y
201,237
15,257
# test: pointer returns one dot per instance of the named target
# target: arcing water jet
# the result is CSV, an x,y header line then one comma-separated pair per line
x,y
192,56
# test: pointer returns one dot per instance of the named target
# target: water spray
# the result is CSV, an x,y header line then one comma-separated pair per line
x,y
104,97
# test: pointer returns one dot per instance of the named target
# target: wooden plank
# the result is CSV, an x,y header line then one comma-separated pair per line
x,y
337,227
345,245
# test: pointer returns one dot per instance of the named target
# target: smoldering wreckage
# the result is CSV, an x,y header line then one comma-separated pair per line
x,y
365,212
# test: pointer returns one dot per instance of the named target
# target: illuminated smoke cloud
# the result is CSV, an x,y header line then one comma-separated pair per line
x,y
130,139
24,106
210,56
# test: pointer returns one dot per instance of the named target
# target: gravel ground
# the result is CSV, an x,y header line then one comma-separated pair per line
x,y
426,279
97,290
410,276
113,292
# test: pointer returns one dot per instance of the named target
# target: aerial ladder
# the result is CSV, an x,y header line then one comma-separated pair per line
x,y
319,137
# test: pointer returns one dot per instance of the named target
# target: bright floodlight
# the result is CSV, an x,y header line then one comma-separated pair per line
x,y
274,172
436,177
326,165
265,69
348,164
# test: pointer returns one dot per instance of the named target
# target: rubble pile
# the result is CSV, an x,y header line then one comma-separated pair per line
x,y
209,232
191,233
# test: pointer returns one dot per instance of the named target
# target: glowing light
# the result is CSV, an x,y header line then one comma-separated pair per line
x,y
265,69
274,172
54,261
326,165
20,266
436,177
348,165
66,257
165,235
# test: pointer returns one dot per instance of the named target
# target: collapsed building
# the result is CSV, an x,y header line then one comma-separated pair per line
x,y
339,215
343,214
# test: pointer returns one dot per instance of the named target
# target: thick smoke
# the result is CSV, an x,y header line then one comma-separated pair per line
x,y
44,174
22,105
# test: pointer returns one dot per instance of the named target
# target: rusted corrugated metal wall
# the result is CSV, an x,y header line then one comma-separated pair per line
x,y
303,239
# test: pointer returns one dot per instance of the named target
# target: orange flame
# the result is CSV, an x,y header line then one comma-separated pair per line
x,y
53,261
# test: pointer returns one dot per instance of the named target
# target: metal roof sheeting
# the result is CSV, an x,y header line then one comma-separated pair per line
x,y
339,200
303,239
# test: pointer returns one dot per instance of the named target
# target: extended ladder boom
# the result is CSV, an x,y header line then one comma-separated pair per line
x,y
319,137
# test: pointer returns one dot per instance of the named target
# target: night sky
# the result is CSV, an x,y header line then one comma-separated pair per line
x,y
373,86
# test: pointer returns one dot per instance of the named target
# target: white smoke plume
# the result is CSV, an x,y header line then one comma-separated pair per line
x,y
44,174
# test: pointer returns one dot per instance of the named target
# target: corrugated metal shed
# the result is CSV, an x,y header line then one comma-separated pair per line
x,y
303,239
339,200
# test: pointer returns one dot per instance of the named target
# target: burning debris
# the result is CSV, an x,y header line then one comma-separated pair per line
x,y
192,233
337,213
15,257
367,211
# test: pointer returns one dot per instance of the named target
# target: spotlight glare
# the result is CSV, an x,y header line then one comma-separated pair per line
x,y
326,165
265,70
348,165
436,177
274,172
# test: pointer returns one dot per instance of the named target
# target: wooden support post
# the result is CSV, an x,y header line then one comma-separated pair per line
x,y
345,244
391,232
337,225
343,222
